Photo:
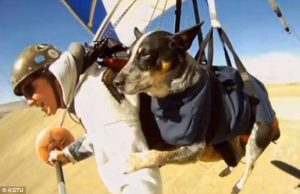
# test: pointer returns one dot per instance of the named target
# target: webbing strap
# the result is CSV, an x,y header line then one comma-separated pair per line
x,y
228,61
198,21
203,46
178,14
225,40
208,42
248,85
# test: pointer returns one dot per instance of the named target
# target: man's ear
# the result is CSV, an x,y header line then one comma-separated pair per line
x,y
184,39
137,33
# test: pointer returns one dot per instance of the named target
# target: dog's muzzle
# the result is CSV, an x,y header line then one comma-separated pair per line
x,y
119,81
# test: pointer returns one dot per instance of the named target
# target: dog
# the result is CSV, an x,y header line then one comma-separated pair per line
x,y
160,66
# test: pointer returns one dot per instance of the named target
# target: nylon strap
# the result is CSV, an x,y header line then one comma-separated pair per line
x,y
225,40
248,85
178,14
198,21
203,46
228,61
208,42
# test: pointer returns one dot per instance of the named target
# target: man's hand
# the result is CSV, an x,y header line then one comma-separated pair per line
x,y
57,155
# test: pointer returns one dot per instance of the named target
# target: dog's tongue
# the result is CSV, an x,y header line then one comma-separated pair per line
x,y
115,64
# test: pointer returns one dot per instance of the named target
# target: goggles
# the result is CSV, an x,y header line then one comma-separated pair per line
x,y
28,89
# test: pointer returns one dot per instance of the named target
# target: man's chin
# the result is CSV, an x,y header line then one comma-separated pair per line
x,y
49,111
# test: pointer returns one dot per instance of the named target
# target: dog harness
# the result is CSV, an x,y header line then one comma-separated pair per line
x,y
185,118
179,116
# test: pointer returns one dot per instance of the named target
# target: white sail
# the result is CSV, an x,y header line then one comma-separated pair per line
x,y
139,15
126,15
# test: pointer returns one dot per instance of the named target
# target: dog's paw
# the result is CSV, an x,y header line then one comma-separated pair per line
x,y
227,171
236,189
137,161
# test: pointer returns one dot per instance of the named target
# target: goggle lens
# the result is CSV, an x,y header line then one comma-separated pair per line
x,y
28,90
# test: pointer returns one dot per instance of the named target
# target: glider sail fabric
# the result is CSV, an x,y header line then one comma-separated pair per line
x,y
126,15
90,13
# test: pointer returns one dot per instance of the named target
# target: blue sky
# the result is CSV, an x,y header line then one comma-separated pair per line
x,y
252,26
25,22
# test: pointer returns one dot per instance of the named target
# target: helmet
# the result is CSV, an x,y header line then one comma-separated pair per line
x,y
33,59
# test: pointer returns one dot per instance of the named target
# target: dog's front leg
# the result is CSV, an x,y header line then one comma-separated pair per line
x,y
154,158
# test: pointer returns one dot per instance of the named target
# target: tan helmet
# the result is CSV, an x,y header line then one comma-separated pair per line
x,y
32,59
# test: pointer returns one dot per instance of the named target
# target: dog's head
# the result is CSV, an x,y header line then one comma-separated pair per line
x,y
156,59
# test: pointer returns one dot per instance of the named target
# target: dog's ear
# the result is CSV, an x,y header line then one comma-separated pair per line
x,y
137,33
184,39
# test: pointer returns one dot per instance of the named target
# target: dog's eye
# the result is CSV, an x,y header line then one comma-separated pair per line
x,y
145,54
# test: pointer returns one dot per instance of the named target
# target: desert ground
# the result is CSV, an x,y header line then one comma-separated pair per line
x,y
277,171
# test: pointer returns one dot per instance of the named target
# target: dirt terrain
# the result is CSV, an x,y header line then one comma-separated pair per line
x,y
276,172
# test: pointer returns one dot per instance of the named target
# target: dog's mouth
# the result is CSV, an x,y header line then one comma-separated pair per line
x,y
137,87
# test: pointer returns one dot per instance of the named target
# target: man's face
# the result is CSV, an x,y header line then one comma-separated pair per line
x,y
39,93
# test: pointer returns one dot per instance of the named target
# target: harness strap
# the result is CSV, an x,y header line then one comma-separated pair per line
x,y
208,42
248,85
249,89
203,46
198,21
225,149
228,61
178,14
225,40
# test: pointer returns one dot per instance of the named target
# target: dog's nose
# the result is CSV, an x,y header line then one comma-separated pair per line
x,y
119,82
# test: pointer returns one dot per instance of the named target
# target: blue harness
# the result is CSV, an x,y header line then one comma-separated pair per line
x,y
186,117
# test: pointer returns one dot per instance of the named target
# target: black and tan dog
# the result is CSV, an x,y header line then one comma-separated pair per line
x,y
182,94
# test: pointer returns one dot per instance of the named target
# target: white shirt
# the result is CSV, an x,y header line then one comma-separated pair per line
x,y
113,129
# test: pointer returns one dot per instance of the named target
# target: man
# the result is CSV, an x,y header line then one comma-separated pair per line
x,y
50,80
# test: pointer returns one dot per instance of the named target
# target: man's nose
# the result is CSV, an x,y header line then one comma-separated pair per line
x,y
30,102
